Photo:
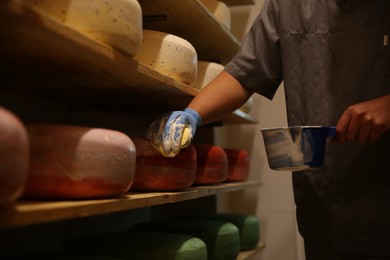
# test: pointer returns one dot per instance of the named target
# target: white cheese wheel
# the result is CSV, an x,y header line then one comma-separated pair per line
x,y
169,55
117,23
207,71
220,11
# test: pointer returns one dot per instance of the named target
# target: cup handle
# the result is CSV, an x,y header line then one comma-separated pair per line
x,y
332,131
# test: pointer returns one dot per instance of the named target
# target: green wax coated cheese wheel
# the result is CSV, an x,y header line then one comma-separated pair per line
x,y
248,225
222,238
141,245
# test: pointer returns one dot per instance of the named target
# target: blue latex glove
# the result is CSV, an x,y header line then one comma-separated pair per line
x,y
173,131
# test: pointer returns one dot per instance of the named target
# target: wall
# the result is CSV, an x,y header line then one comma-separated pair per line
x,y
273,202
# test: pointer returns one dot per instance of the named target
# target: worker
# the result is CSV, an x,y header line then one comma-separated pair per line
x,y
333,57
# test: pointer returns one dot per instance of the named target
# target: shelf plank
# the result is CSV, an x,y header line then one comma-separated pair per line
x,y
252,254
191,20
25,213
238,2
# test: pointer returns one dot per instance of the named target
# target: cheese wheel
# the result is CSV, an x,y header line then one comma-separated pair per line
x,y
207,71
220,11
212,164
169,55
73,162
155,172
14,157
117,23
238,164
248,226
221,237
141,245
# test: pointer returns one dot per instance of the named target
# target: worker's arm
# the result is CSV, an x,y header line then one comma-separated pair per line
x,y
219,98
175,130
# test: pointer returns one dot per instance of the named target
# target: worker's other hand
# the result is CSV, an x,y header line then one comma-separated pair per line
x,y
364,122
173,131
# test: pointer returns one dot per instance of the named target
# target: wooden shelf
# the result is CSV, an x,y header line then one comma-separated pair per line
x,y
47,59
238,2
252,254
36,212
191,20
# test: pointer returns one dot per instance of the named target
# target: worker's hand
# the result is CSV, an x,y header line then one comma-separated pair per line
x,y
364,122
173,131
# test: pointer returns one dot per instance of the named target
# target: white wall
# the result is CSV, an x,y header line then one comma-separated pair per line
x,y
273,202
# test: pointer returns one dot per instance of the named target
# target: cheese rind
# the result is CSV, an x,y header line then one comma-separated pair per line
x,y
220,11
14,157
207,71
169,55
221,237
74,162
117,23
248,225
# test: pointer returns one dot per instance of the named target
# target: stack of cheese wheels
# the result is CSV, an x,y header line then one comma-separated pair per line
x,y
169,55
248,225
117,23
207,71
141,245
212,164
155,172
238,164
74,162
222,238
220,11
14,157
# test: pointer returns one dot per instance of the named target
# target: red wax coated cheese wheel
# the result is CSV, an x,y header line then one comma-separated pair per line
x,y
155,172
73,162
14,156
212,164
238,164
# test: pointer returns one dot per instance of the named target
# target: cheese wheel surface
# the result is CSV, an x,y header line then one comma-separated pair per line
x,y
14,157
212,164
207,71
220,11
117,23
73,162
155,172
142,245
238,164
168,54
248,226
221,237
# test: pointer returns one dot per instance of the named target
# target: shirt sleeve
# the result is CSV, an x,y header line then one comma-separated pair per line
x,y
257,65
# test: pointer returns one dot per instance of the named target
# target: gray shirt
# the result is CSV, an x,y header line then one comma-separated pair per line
x,y
330,54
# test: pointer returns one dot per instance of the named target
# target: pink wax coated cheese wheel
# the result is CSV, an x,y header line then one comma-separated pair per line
x,y
14,157
155,172
212,164
238,164
74,162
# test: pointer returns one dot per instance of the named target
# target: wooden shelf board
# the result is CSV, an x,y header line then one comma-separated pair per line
x,y
191,20
238,2
252,254
35,212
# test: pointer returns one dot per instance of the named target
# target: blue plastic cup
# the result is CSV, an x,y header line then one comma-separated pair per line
x,y
296,148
